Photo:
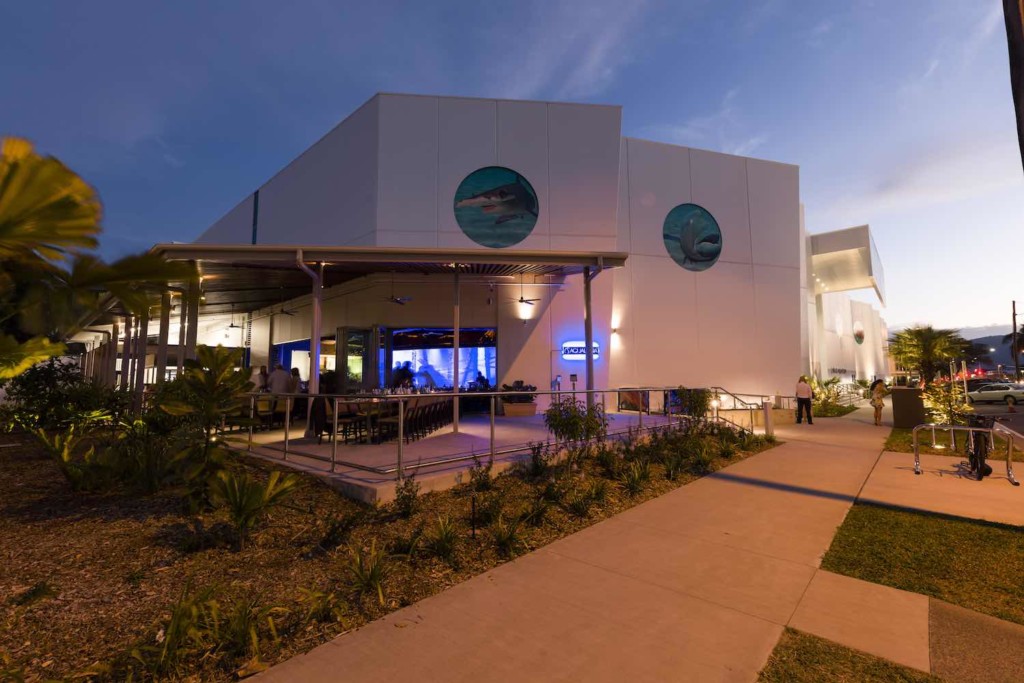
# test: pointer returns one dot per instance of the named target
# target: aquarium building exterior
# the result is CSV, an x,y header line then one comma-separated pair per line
x,y
510,221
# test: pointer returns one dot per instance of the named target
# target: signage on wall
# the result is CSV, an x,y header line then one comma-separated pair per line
x,y
692,237
577,350
838,371
496,207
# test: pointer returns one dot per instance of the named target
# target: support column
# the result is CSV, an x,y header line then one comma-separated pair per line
x,y
315,333
141,346
456,331
588,334
191,335
110,359
126,353
182,327
161,344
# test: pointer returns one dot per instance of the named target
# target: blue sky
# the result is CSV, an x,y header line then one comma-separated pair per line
x,y
898,113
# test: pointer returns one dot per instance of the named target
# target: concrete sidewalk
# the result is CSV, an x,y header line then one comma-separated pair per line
x,y
695,585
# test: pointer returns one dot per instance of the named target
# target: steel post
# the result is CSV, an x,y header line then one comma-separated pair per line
x,y
334,435
401,437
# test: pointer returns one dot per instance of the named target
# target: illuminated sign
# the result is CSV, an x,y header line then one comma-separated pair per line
x,y
577,350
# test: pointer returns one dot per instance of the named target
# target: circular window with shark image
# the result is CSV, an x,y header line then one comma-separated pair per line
x,y
496,207
692,237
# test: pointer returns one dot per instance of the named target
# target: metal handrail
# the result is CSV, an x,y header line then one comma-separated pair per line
x,y
400,399
971,431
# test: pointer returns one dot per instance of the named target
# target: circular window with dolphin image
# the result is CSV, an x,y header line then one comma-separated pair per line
x,y
496,207
692,237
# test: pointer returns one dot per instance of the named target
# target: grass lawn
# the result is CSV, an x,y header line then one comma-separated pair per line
x,y
902,441
87,577
803,658
974,564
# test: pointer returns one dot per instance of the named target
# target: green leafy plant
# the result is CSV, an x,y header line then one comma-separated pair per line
x,y
944,403
675,463
443,540
702,457
540,460
519,392
480,475
191,628
320,606
536,512
338,530
635,476
506,535
694,402
239,631
213,388
489,507
145,457
407,492
598,491
579,505
368,569
247,500
74,452
554,491
609,461
727,450
571,420
408,546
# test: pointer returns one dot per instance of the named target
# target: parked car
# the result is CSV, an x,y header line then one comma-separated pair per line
x,y
997,393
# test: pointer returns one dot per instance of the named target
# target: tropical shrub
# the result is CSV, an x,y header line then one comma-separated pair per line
x,y
368,570
407,496
944,403
480,475
536,512
211,390
702,457
675,463
247,501
320,606
54,393
635,475
571,420
506,535
519,392
444,539
694,402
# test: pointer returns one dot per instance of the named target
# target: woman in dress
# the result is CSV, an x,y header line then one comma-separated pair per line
x,y
878,399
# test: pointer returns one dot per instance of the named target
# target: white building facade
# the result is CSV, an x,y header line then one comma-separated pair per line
x,y
713,282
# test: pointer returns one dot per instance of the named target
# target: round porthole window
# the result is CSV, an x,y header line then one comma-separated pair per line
x,y
692,237
496,207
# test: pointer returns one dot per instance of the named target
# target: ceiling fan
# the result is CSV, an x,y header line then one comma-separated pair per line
x,y
233,326
400,300
522,297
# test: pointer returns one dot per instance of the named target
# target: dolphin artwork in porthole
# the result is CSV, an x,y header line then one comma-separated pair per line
x,y
496,207
692,237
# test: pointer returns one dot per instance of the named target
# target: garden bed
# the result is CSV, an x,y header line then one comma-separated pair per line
x,y
90,577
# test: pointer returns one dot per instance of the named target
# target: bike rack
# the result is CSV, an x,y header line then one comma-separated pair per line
x,y
1002,430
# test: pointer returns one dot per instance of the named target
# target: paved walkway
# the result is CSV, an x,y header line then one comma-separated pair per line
x,y
695,585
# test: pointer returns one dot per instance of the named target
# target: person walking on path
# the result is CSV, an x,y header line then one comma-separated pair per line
x,y
878,399
804,394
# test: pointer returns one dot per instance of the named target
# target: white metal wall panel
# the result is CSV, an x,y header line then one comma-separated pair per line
x,y
234,228
407,192
719,184
774,192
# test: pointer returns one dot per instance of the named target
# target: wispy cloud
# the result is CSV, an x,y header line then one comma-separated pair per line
x,y
576,52
958,171
983,30
722,129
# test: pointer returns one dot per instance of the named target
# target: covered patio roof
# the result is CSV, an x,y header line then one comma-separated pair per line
x,y
242,278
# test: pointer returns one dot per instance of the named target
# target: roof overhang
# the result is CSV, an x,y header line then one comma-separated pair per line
x,y
845,260
241,278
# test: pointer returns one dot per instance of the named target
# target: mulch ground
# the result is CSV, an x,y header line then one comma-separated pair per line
x,y
84,578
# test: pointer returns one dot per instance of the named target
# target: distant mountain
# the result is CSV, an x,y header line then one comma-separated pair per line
x,y
986,331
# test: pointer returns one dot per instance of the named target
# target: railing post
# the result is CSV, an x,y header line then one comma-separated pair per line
x,y
252,419
769,426
1009,460
334,435
401,437
492,426
287,423
917,452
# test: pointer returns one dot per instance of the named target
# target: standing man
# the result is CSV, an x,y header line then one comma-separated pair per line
x,y
804,394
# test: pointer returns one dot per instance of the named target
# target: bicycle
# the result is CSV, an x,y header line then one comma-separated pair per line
x,y
977,445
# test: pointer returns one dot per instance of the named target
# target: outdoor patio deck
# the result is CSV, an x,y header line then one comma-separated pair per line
x,y
512,437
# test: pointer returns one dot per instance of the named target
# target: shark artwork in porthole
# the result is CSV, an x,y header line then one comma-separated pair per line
x,y
692,237
496,207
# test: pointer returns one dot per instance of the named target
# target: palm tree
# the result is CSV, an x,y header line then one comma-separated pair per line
x,y
1015,352
50,286
926,349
